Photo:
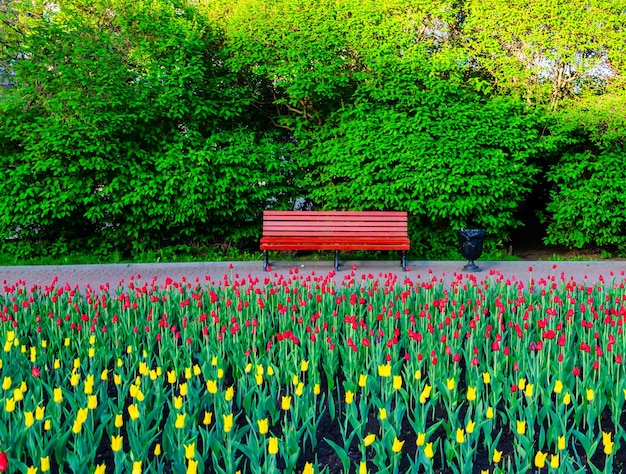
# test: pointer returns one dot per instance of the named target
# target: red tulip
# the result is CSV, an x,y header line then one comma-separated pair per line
x,y
4,461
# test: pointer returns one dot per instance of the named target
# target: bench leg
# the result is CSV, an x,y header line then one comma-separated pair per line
x,y
403,261
265,260
337,260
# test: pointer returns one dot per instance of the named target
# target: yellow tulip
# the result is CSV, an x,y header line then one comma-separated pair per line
x,y
540,459
522,384
529,390
521,427
192,467
561,443
554,461
57,395
117,379
133,411
18,395
92,402
425,393
369,439
171,376
29,419
397,382
418,375
119,421
228,422
304,365
486,378
44,463
299,389
460,435
40,412
470,427
183,389
450,384
270,370
497,456
471,394
382,413
31,470
362,380
178,402
590,394
397,445
82,414
362,468
9,405
157,449
229,394
349,397
190,451
285,403
428,451
308,468
220,373
384,370
421,438
263,425
76,426
180,421
6,383
46,425
104,375
490,413
139,395
208,416
272,447
567,399
211,386
136,467
317,389
116,443
100,469
608,444
558,387
88,389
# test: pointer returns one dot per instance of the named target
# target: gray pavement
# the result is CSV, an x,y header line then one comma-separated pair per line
x,y
96,276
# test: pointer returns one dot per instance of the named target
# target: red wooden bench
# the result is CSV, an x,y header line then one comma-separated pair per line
x,y
334,230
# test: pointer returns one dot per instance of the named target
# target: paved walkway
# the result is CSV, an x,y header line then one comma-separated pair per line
x,y
114,274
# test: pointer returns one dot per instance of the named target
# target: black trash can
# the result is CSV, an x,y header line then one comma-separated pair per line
x,y
471,246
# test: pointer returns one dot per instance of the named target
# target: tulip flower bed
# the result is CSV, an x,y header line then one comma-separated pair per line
x,y
301,374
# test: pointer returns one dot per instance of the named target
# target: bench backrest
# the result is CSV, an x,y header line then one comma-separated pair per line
x,y
384,224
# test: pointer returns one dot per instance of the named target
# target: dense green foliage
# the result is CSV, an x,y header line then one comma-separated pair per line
x,y
139,126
